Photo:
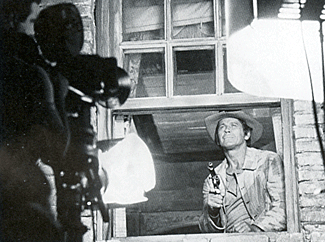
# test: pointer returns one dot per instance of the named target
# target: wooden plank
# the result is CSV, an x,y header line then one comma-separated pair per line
x,y
166,222
250,237
201,238
285,237
102,30
291,179
227,101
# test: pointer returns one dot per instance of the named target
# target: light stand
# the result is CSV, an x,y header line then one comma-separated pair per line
x,y
313,11
321,37
77,181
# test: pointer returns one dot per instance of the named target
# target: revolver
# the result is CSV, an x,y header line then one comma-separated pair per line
x,y
215,179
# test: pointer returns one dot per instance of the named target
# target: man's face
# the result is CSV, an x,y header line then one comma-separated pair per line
x,y
27,27
230,133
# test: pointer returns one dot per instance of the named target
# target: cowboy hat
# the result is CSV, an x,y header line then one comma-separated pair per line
x,y
212,121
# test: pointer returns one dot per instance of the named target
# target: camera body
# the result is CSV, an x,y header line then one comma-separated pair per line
x,y
78,178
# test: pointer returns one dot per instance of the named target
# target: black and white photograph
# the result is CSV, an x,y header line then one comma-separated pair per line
x,y
162,121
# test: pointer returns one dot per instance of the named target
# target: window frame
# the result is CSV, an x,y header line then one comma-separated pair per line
x,y
117,47
108,44
288,155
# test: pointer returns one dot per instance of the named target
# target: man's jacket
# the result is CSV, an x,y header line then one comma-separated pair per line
x,y
262,188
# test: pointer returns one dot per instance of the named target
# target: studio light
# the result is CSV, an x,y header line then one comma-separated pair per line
x,y
130,169
274,48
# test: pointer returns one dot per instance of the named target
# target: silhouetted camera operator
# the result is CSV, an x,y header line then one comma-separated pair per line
x,y
33,128
35,121
92,80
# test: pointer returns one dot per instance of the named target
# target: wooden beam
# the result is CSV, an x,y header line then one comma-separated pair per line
x,y
102,8
290,171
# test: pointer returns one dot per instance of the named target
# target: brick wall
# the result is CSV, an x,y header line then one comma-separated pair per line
x,y
310,170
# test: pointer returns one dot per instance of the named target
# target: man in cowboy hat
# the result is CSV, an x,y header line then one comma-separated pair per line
x,y
250,197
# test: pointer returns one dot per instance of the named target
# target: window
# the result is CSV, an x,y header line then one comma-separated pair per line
x,y
182,148
175,52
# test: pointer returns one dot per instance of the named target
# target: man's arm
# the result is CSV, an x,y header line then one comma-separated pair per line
x,y
52,125
210,220
275,218
47,101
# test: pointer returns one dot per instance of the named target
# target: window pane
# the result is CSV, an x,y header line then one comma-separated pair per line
x,y
143,20
228,87
147,72
223,18
194,72
192,19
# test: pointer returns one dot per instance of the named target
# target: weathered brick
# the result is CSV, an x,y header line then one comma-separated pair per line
x,y
311,174
309,159
314,227
303,106
309,200
88,24
85,10
87,49
314,214
308,187
307,145
89,36
317,236
307,131
307,118
314,232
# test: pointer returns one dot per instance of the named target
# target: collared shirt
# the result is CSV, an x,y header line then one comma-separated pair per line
x,y
235,209
261,186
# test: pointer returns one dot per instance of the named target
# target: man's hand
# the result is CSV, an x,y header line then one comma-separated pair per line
x,y
215,197
215,200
